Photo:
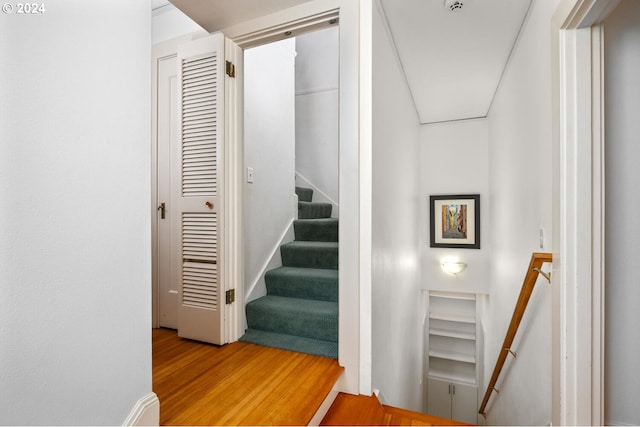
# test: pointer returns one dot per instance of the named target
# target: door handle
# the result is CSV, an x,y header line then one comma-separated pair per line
x,y
162,209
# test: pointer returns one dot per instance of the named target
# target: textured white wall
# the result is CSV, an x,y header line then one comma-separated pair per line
x,y
520,204
269,148
317,111
75,268
455,160
622,62
396,300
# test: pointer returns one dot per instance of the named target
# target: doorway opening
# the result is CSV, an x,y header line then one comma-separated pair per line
x,y
291,145
263,166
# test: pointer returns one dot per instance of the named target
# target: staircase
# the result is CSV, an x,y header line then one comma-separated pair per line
x,y
300,310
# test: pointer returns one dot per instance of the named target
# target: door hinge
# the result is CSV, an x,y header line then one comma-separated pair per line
x,y
230,296
231,69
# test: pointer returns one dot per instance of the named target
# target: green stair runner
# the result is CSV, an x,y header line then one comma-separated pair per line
x,y
309,210
304,194
300,310
318,230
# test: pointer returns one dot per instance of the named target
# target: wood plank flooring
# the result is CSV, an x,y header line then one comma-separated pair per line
x,y
350,410
246,384
237,384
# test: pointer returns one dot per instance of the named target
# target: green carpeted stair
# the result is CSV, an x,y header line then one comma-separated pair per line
x,y
300,310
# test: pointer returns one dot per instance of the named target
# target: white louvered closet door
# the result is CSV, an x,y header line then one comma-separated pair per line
x,y
199,169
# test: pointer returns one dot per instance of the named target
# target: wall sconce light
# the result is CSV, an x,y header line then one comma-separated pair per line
x,y
453,267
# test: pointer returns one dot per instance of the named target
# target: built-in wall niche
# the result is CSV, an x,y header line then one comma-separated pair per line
x,y
452,374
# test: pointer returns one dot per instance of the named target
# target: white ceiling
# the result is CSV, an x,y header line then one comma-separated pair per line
x,y
214,15
453,61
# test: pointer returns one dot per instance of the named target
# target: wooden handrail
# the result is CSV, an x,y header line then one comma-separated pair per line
x,y
537,259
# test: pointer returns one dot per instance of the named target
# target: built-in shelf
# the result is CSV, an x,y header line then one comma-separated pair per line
x,y
452,353
452,317
453,295
452,333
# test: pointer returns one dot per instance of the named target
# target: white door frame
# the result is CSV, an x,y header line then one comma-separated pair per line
x,y
355,172
355,166
578,259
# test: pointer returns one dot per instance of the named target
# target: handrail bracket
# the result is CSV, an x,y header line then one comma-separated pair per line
x,y
513,353
544,274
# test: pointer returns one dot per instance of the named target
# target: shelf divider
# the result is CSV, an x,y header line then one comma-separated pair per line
x,y
453,317
450,355
452,334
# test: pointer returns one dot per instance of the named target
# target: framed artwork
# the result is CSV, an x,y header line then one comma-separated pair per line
x,y
455,221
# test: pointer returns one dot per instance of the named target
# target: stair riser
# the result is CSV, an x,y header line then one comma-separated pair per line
x,y
304,194
323,291
293,343
314,230
309,257
311,325
305,283
314,210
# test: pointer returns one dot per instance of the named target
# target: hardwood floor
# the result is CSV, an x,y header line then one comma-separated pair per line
x,y
350,410
237,384
246,384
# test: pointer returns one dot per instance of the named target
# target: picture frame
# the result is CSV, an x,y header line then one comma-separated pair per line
x,y
455,221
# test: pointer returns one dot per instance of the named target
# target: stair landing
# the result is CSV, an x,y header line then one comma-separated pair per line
x,y
238,383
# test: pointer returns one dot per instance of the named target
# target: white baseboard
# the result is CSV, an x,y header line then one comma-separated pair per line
x,y
146,412
258,287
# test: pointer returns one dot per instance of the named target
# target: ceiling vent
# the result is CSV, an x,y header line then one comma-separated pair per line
x,y
453,5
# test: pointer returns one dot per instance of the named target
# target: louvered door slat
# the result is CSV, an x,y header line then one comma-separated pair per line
x,y
201,96
200,169
199,125
202,258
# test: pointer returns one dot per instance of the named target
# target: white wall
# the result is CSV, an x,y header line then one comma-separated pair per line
x,y
317,113
75,268
622,64
396,300
520,204
269,147
169,22
455,158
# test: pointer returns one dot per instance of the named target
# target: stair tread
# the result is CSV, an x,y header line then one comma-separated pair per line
x,y
303,203
317,220
294,316
291,342
312,244
297,304
323,273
